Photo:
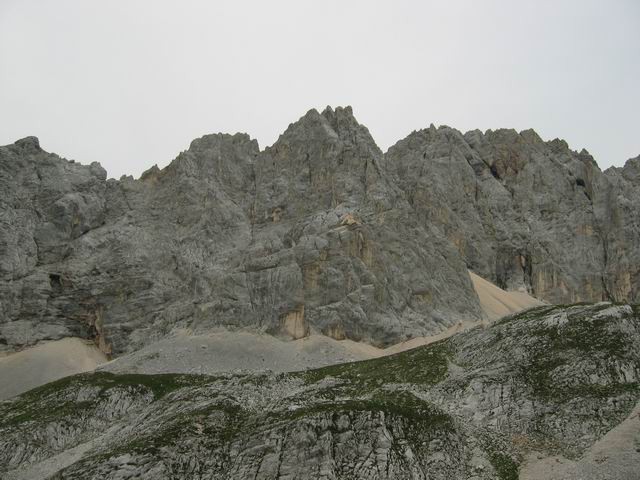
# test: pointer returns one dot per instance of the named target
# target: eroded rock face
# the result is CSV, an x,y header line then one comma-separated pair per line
x,y
620,206
337,247
308,235
550,381
47,206
320,232
525,213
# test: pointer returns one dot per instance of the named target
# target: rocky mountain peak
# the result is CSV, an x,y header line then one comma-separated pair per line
x,y
558,145
531,136
29,144
631,170
344,123
312,124
216,140
320,233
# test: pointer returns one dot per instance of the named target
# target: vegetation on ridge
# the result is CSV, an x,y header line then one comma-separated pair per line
x,y
529,375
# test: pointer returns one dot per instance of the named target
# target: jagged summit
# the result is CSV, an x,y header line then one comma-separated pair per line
x,y
631,169
338,123
29,144
216,139
342,120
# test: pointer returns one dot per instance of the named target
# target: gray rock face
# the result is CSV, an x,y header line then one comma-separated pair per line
x,y
47,205
619,203
551,381
320,232
354,260
307,235
526,213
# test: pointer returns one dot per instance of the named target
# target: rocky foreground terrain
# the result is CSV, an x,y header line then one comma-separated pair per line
x,y
488,403
319,233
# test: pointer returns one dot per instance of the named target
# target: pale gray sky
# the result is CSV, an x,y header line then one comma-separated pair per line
x,y
131,83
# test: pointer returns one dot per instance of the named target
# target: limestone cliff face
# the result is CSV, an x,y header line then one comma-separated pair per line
x,y
321,232
308,235
619,203
48,205
526,213
331,233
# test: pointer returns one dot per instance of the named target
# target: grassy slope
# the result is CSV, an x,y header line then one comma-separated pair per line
x,y
354,387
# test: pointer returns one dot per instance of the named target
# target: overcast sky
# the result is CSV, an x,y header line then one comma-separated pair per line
x,y
131,83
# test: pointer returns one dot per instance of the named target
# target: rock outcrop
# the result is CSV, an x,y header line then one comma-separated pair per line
x,y
319,233
551,381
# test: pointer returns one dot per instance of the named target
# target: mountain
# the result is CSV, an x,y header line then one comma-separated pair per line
x,y
549,393
471,298
319,233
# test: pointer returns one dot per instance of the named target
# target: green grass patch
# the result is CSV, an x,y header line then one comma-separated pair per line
x,y
53,401
426,365
581,338
503,464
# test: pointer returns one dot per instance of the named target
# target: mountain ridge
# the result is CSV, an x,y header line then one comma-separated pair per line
x,y
320,232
